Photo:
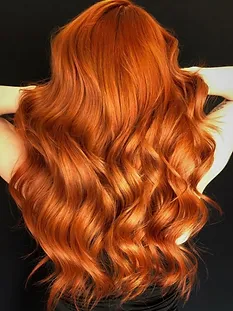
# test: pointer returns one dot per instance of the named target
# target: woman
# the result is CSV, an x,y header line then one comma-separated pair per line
x,y
109,160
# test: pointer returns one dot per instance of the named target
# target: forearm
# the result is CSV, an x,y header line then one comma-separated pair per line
x,y
218,79
9,96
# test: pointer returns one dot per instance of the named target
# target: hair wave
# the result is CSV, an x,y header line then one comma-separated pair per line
x,y
116,142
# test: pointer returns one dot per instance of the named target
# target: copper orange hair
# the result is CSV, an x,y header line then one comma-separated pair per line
x,y
116,143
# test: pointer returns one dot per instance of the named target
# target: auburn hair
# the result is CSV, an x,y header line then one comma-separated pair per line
x,y
116,142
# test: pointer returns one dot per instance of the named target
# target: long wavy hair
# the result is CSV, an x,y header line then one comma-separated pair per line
x,y
116,142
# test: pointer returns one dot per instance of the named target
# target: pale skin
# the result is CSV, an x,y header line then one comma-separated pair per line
x,y
9,96
218,79
11,146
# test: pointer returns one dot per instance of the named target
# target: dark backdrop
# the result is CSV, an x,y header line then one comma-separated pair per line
x,y
204,33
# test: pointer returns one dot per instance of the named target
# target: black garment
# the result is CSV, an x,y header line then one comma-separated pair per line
x,y
150,300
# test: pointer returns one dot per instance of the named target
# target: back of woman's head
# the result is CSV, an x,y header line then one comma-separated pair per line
x,y
116,144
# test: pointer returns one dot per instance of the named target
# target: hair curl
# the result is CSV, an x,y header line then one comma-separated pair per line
x,y
116,143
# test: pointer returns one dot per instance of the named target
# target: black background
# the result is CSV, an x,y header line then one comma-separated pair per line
x,y
204,29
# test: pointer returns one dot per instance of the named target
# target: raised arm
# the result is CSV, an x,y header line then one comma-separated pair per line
x,y
218,79
9,96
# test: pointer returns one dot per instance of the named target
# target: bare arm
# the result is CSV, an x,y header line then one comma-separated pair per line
x,y
218,79
9,96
